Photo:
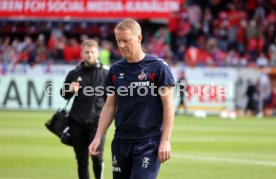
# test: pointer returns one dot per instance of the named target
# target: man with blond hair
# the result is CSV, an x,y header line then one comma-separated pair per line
x,y
86,108
140,96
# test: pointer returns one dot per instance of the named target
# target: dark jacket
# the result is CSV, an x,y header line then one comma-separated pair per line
x,y
86,108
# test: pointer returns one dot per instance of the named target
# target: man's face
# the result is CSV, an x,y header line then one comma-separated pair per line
x,y
89,54
128,43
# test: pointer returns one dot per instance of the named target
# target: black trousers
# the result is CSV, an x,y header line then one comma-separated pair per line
x,y
81,139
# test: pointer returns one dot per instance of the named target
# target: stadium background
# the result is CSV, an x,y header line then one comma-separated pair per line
x,y
215,44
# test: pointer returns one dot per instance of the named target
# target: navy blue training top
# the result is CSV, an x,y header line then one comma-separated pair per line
x,y
139,113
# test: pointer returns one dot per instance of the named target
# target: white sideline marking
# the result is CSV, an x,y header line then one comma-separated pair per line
x,y
229,160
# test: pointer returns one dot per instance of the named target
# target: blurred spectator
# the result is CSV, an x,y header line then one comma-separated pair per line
x,y
191,56
83,37
194,14
162,35
221,31
167,54
264,89
207,22
232,58
252,99
252,41
272,55
60,46
260,12
41,55
51,47
180,53
182,87
172,27
68,53
270,34
250,7
243,28
184,28
29,51
7,51
272,104
240,36
262,61
105,53
217,55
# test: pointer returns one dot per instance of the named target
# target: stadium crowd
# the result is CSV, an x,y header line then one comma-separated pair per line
x,y
203,33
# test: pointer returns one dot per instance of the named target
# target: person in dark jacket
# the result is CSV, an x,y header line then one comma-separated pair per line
x,y
85,82
253,99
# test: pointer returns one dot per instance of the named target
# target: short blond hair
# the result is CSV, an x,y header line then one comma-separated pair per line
x,y
90,43
129,24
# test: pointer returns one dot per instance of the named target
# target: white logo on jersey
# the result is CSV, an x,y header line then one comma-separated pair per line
x,y
140,83
145,162
79,78
121,76
142,76
115,163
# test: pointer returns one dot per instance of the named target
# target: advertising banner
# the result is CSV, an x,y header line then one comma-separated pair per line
x,y
208,89
38,87
88,9
31,93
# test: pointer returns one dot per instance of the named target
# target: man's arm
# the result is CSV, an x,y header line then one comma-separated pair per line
x,y
164,151
105,120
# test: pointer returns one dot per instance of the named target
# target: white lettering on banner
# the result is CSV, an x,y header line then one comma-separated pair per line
x,y
34,6
151,6
88,8
11,6
65,6
104,6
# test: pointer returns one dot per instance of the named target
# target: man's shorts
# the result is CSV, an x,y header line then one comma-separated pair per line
x,y
135,160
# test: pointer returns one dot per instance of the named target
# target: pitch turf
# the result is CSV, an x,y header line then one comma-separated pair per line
x,y
209,148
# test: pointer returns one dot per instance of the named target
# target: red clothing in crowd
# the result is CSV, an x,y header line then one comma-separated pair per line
x,y
191,57
234,18
252,44
71,53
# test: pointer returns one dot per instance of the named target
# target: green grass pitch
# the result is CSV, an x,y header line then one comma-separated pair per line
x,y
210,148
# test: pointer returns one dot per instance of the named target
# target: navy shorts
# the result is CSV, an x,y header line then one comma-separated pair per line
x,y
135,160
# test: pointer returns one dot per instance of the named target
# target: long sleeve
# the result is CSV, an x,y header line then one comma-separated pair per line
x,y
64,91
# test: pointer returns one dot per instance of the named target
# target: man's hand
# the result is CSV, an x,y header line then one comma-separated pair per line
x,y
74,87
164,151
93,147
